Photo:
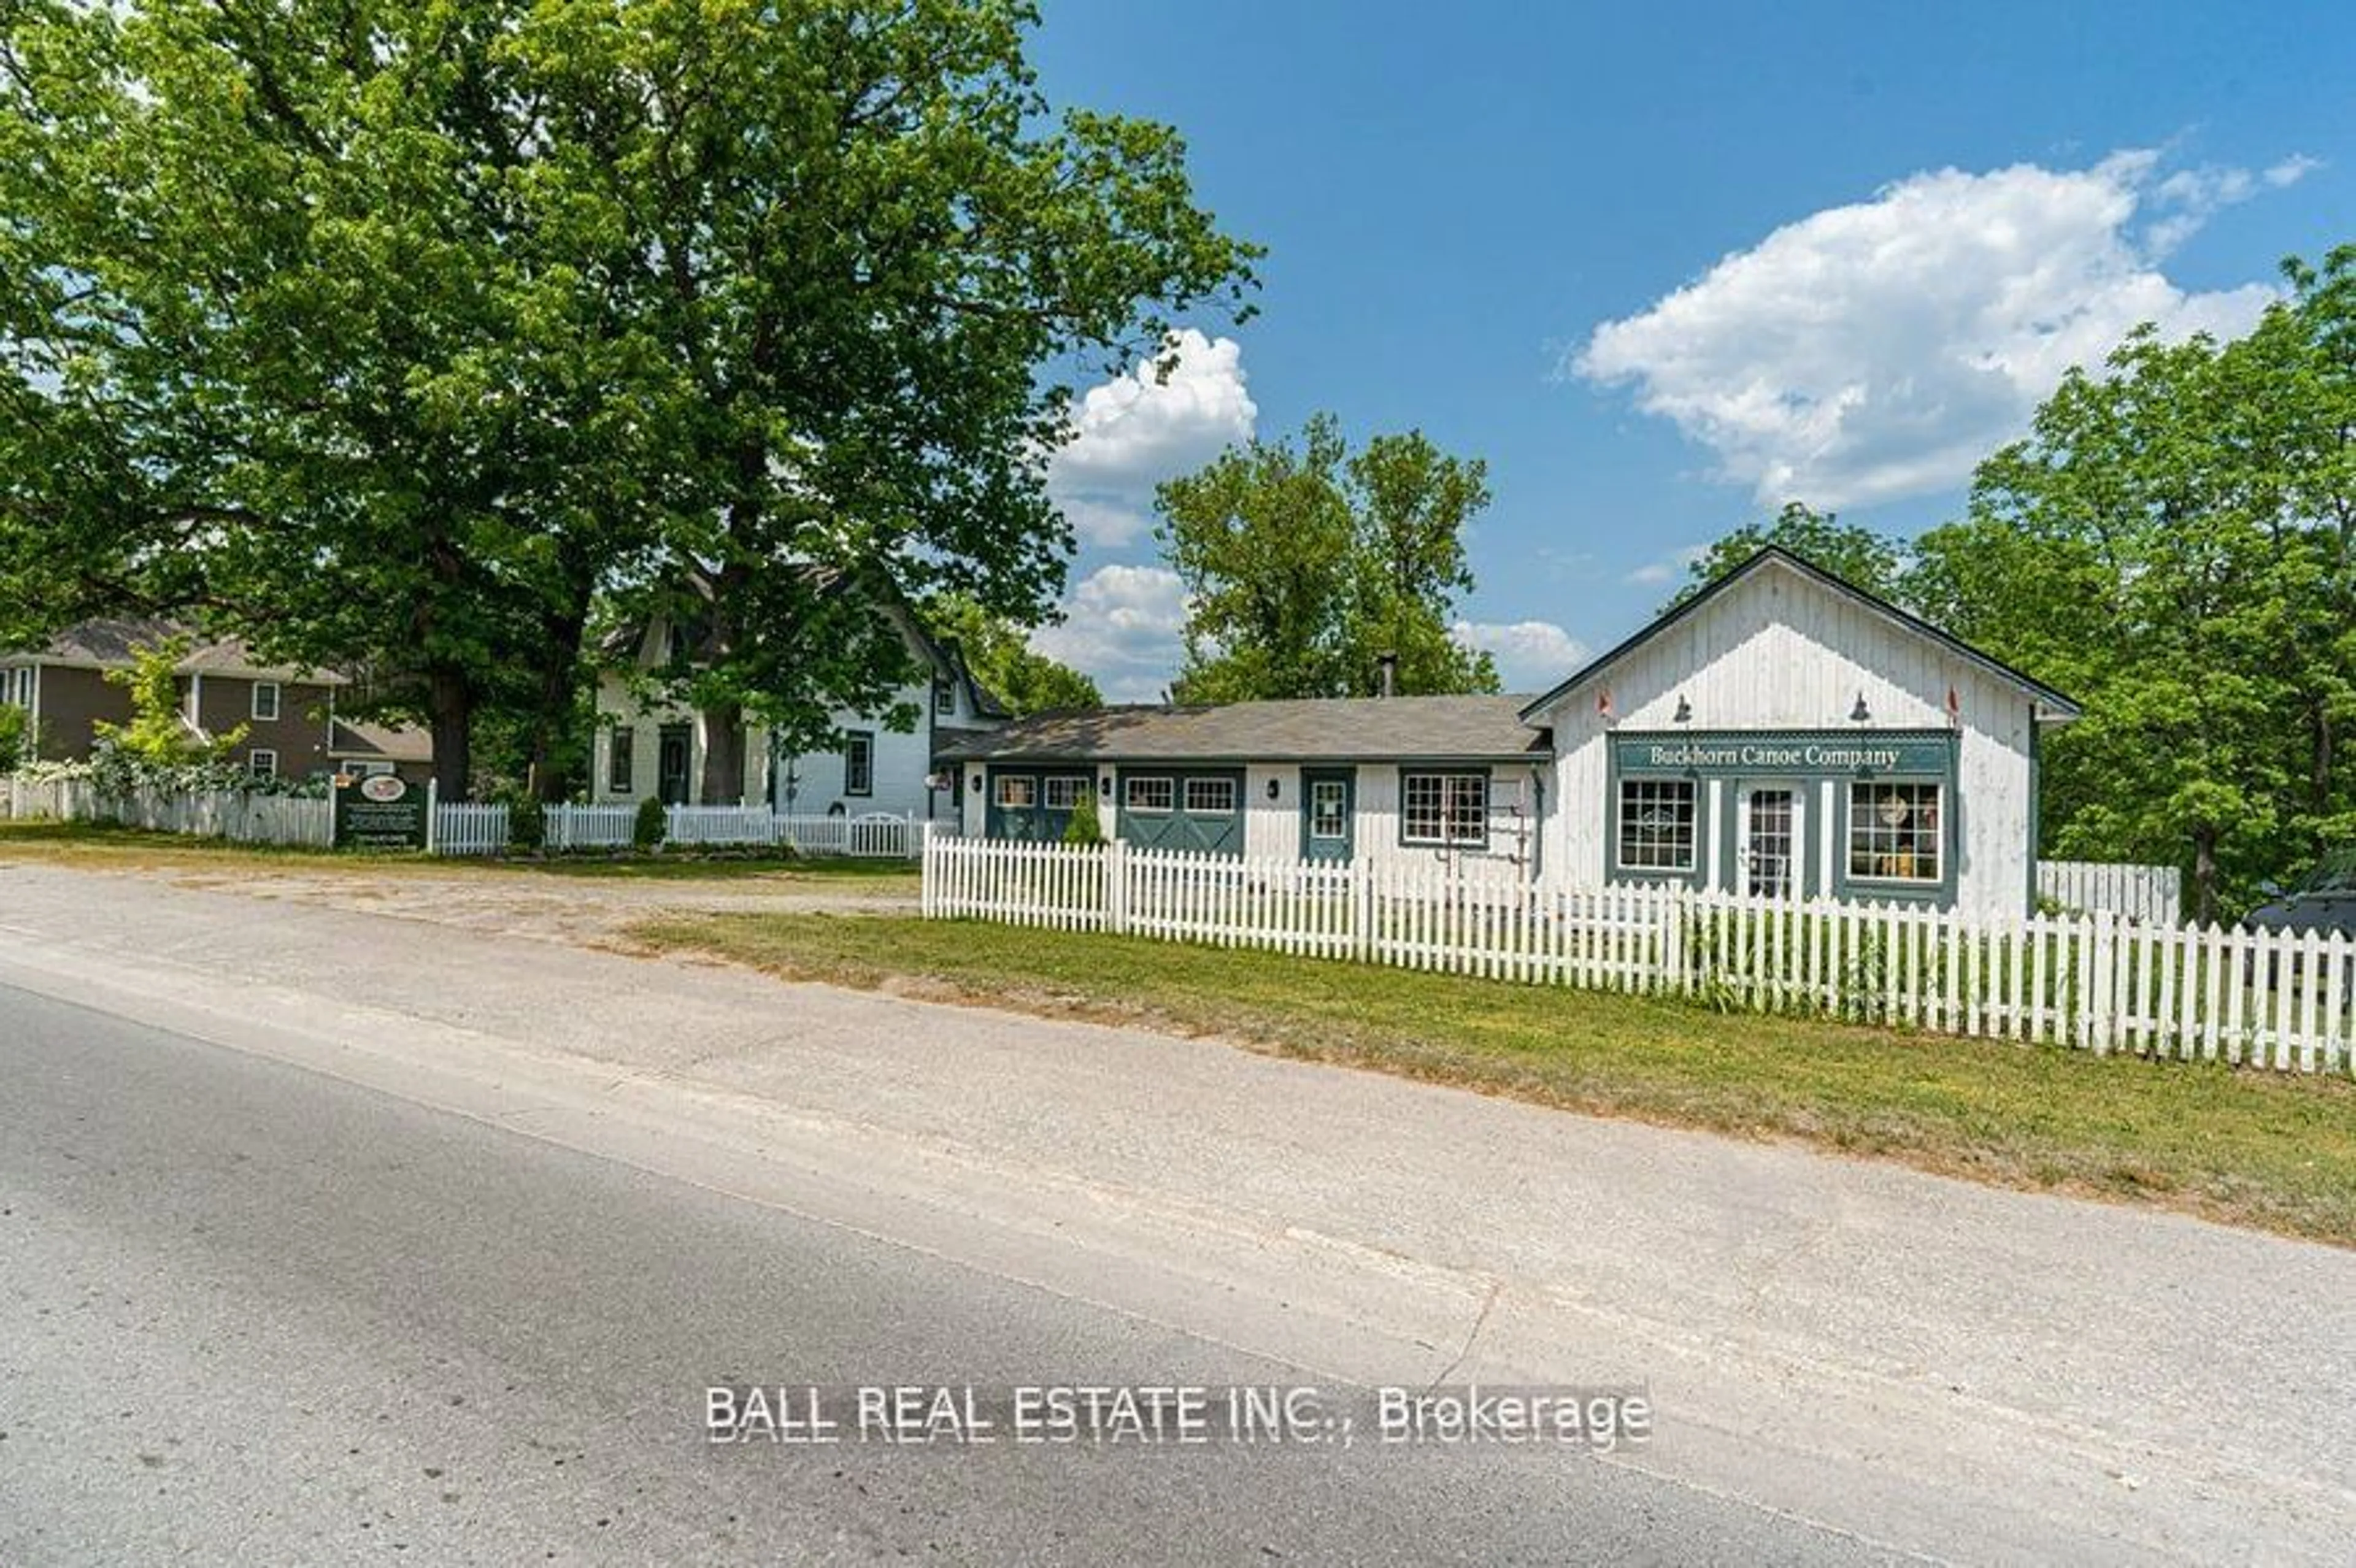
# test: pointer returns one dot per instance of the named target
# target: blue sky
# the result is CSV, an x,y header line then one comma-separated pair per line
x,y
1665,267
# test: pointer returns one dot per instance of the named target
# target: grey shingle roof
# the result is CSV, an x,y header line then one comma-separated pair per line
x,y
114,642
1370,728
389,742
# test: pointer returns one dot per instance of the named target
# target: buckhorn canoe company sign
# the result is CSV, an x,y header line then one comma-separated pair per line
x,y
1891,752
381,811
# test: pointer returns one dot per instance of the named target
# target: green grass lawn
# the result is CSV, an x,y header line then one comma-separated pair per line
x,y
101,846
2252,1149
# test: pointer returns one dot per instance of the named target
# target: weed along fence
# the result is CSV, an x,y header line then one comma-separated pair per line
x,y
2101,982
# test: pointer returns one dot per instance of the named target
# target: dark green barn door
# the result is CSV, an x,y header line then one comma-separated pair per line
x,y
1195,809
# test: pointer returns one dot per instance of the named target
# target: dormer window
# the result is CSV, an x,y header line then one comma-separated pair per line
x,y
943,696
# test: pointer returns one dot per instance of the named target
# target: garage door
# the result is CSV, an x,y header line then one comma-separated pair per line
x,y
1199,809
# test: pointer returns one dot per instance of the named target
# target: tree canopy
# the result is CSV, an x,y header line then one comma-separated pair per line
x,y
1856,556
393,336
1303,566
1023,679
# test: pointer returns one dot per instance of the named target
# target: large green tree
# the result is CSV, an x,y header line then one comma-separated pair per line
x,y
393,336
1305,565
2172,545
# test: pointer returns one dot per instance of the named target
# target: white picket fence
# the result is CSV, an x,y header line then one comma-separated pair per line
x,y
2101,982
878,836
286,820
2154,894
469,828
591,827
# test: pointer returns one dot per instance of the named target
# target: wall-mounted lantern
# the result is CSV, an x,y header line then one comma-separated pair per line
x,y
1275,789
973,781
1861,714
1684,710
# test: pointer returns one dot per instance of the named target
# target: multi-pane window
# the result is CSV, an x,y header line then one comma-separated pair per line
x,y
1211,797
618,759
262,764
1064,791
859,762
1893,832
1329,817
1152,794
1017,791
265,700
945,696
1444,809
1656,825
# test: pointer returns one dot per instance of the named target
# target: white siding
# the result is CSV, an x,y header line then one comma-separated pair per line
x,y
813,783
1272,828
1780,652
1514,828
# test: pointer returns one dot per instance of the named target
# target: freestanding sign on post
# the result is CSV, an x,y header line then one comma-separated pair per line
x,y
382,811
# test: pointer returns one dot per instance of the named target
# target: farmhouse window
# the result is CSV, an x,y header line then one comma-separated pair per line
x,y
859,762
261,765
1152,794
1893,832
1211,797
1444,809
1018,792
1064,791
265,701
943,696
1656,825
620,750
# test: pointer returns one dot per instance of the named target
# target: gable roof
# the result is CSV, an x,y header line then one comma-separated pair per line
x,y
379,742
1320,728
2055,706
116,642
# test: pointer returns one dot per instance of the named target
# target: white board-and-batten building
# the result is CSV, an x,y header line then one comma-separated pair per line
x,y
1782,732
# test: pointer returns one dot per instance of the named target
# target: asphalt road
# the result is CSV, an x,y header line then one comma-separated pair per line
x,y
252,1313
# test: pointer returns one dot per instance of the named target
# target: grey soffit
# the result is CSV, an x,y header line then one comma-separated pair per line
x,y
1365,729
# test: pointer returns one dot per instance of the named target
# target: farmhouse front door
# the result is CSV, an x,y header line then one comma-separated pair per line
x,y
674,751
1326,814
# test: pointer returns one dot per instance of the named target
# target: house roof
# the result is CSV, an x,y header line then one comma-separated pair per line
x,y
115,643
2054,706
381,742
1385,729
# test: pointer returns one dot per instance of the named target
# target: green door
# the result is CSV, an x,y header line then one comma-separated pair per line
x,y
1195,809
1328,808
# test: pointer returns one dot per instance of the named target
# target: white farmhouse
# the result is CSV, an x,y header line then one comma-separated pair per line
x,y
656,749
1782,732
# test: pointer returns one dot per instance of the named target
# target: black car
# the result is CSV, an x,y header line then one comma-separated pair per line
x,y
2324,900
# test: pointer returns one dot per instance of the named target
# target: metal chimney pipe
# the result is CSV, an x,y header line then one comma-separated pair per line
x,y
1389,663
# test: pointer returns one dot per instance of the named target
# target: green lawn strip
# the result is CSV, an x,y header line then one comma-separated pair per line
x,y
2258,1149
104,847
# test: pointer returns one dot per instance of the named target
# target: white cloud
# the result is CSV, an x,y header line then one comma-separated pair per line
x,y
1124,626
1138,429
1882,350
1670,568
1531,655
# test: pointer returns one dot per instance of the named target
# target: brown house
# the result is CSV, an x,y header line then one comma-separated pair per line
x,y
288,714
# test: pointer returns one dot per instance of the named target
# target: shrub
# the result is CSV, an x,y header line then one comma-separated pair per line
x,y
652,826
1085,827
527,824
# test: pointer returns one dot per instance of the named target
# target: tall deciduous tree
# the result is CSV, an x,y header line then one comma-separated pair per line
x,y
2172,544
394,333
1304,566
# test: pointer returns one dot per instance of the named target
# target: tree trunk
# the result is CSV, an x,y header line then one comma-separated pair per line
x,y
559,666
2204,875
723,755
450,704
